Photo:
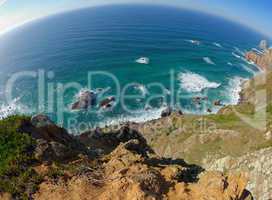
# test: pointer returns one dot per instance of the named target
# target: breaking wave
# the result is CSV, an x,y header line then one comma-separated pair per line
x,y
217,45
208,60
12,108
196,42
236,55
192,82
239,51
249,70
142,116
233,89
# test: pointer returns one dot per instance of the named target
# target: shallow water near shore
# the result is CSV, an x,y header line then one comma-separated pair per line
x,y
203,53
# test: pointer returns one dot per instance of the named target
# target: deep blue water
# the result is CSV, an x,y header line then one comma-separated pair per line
x,y
110,39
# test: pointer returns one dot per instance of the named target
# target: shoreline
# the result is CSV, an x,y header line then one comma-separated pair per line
x,y
234,89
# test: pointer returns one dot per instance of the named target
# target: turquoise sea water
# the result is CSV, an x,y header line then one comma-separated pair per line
x,y
203,53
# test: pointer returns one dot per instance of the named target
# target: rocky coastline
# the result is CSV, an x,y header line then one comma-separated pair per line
x,y
113,165
216,156
261,58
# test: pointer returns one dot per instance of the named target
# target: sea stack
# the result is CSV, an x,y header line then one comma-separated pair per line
x,y
85,100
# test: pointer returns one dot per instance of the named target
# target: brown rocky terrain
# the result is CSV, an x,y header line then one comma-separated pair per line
x,y
221,156
120,166
257,165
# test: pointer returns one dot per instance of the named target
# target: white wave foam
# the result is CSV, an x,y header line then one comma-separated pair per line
x,y
192,82
236,55
142,116
258,51
230,64
208,60
217,44
141,88
246,68
12,108
239,51
83,91
233,89
196,42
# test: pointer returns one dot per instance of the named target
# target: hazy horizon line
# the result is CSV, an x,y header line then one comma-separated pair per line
x,y
27,22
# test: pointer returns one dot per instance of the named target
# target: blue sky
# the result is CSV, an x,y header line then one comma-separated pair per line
x,y
256,14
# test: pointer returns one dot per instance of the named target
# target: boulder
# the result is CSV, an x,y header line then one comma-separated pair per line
x,y
107,103
180,112
51,151
85,100
217,103
167,112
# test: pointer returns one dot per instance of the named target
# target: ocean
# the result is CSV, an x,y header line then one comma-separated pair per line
x,y
191,55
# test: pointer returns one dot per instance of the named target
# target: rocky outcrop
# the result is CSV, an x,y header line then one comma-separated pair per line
x,y
166,112
107,103
53,143
257,165
41,120
108,141
127,168
85,100
263,60
127,174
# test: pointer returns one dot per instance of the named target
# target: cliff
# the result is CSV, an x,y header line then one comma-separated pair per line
x,y
151,160
40,160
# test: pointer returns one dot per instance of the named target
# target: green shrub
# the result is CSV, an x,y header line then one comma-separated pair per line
x,y
16,157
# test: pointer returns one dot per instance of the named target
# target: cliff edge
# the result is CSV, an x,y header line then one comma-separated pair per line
x,y
40,160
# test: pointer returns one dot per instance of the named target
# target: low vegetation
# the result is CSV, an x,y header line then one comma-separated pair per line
x,y
16,155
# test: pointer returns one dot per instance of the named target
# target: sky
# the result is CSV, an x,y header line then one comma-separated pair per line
x,y
256,14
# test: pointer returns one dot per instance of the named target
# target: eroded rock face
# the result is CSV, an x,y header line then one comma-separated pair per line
x,y
52,151
257,165
53,143
126,174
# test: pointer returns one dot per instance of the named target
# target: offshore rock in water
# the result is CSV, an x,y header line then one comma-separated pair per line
x,y
107,103
218,103
85,100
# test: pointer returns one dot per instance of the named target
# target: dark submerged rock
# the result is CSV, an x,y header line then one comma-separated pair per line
x,y
167,112
218,103
107,103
